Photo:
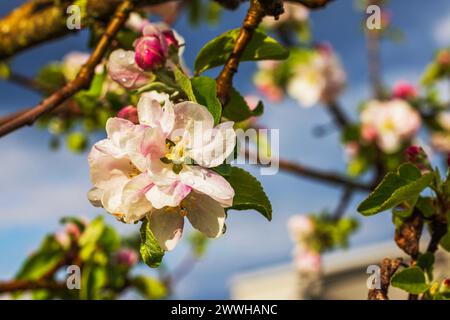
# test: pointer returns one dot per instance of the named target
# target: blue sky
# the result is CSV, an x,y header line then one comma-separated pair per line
x,y
40,185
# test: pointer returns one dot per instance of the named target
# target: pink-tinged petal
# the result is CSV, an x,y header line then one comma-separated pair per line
x,y
107,147
168,196
146,147
105,169
208,182
205,214
116,129
123,69
112,197
192,119
134,203
156,110
222,141
167,227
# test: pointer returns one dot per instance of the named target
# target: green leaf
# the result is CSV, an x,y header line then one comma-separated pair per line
x,y
426,262
217,51
237,108
40,263
445,241
151,252
249,193
5,71
150,288
396,188
76,142
88,99
90,237
184,82
425,205
93,279
411,280
205,92
224,169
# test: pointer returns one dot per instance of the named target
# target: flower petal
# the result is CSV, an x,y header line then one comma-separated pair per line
x,y
123,69
205,214
222,141
167,227
146,147
112,197
134,203
168,196
209,183
191,118
156,110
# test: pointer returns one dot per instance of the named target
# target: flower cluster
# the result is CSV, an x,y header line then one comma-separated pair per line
x,y
301,229
389,123
160,168
309,77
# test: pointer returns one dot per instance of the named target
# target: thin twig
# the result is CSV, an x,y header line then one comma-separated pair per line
x,y
338,114
255,14
343,203
311,173
82,80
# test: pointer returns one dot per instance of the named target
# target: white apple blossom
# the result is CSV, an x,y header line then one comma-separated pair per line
x,y
307,261
292,13
148,169
300,227
317,79
389,123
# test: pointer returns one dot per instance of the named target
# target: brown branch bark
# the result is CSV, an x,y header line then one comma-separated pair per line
x,y
388,268
338,114
82,80
255,14
312,173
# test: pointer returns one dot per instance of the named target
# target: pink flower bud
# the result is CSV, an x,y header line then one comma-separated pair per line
x,y
126,257
170,38
72,230
404,90
149,53
413,151
129,113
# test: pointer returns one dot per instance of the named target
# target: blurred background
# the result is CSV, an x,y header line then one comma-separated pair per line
x,y
38,185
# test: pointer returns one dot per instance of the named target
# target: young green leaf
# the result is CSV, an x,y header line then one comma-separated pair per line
x,y
217,51
411,280
184,82
237,108
90,237
396,188
151,252
426,262
249,193
150,288
45,259
204,89
445,241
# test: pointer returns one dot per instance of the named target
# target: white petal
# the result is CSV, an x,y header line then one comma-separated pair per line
x,y
156,110
222,141
123,69
95,197
168,196
205,214
112,197
191,118
134,203
146,147
167,227
209,183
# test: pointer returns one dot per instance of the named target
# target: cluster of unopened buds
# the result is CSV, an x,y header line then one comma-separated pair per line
x,y
306,260
69,234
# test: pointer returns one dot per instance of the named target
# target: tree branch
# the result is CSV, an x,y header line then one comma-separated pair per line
x,y
255,14
82,80
338,114
388,268
311,173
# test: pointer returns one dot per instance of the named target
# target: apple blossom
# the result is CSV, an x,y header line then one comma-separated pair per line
x,y
148,169
136,22
389,123
123,69
265,83
300,227
307,261
72,63
319,79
